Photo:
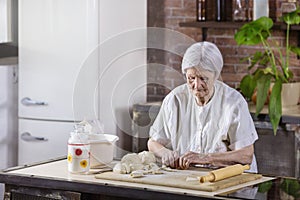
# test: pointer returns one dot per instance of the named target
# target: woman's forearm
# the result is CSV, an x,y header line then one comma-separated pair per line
x,y
158,149
241,156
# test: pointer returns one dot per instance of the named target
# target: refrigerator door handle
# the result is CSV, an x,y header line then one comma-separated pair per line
x,y
26,136
26,101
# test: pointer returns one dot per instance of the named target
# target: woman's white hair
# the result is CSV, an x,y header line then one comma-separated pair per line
x,y
205,55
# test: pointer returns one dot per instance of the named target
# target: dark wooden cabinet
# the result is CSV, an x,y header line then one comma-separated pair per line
x,y
278,155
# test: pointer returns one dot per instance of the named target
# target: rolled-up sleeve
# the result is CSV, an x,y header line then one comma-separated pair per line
x,y
242,131
159,130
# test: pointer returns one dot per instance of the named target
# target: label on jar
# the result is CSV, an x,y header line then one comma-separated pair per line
x,y
78,158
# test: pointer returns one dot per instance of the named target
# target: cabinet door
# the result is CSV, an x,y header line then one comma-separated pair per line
x,y
55,42
42,140
280,161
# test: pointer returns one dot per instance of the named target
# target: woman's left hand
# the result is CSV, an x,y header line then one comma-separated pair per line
x,y
192,158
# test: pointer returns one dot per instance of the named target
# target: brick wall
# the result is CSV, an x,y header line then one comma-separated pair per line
x,y
168,14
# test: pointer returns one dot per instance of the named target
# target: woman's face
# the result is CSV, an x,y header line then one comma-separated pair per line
x,y
201,83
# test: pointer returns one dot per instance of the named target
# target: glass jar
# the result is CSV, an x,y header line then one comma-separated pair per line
x,y
289,6
78,150
240,11
260,8
221,10
201,10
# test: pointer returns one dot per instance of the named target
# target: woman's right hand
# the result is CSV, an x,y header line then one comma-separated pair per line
x,y
170,158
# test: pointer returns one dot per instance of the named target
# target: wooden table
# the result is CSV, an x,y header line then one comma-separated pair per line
x,y
52,179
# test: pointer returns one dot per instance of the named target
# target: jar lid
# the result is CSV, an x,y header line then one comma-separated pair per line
x,y
79,128
79,137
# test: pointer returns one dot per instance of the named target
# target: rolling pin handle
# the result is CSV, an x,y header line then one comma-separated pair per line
x,y
246,167
210,177
223,173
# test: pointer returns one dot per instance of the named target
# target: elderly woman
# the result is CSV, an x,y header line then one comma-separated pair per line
x,y
204,121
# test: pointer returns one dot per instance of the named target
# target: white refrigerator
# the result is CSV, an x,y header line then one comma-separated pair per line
x,y
8,116
55,40
72,67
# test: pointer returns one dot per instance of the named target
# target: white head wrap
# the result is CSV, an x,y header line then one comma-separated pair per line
x,y
204,55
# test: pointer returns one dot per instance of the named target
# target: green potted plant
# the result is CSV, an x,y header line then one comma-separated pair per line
x,y
290,189
269,65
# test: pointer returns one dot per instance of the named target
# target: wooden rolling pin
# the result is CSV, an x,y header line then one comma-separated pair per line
x,y
223,173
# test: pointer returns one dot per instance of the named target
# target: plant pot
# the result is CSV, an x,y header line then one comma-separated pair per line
x,y
290,94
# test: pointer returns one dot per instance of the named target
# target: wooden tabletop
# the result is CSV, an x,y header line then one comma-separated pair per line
x,y
55,175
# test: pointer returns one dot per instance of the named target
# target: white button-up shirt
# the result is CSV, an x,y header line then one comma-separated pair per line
x,y
223,124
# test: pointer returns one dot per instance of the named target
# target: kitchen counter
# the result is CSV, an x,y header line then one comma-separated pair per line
x,y
52,179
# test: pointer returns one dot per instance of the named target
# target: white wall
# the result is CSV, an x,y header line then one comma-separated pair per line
x,y
122,50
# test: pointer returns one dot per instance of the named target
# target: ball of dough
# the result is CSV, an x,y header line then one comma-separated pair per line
x,y
147,157
119,168
131,158
134,167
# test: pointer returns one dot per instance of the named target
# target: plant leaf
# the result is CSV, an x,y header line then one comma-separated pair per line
x,y
263,86
265,59
247,37
259,58
295,50
247,86
292,18
265,187
268,70
264,22
291,187
255,58
275,110
253,32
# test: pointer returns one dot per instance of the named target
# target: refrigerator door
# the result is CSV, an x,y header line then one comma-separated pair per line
x,y
42,140
55,41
